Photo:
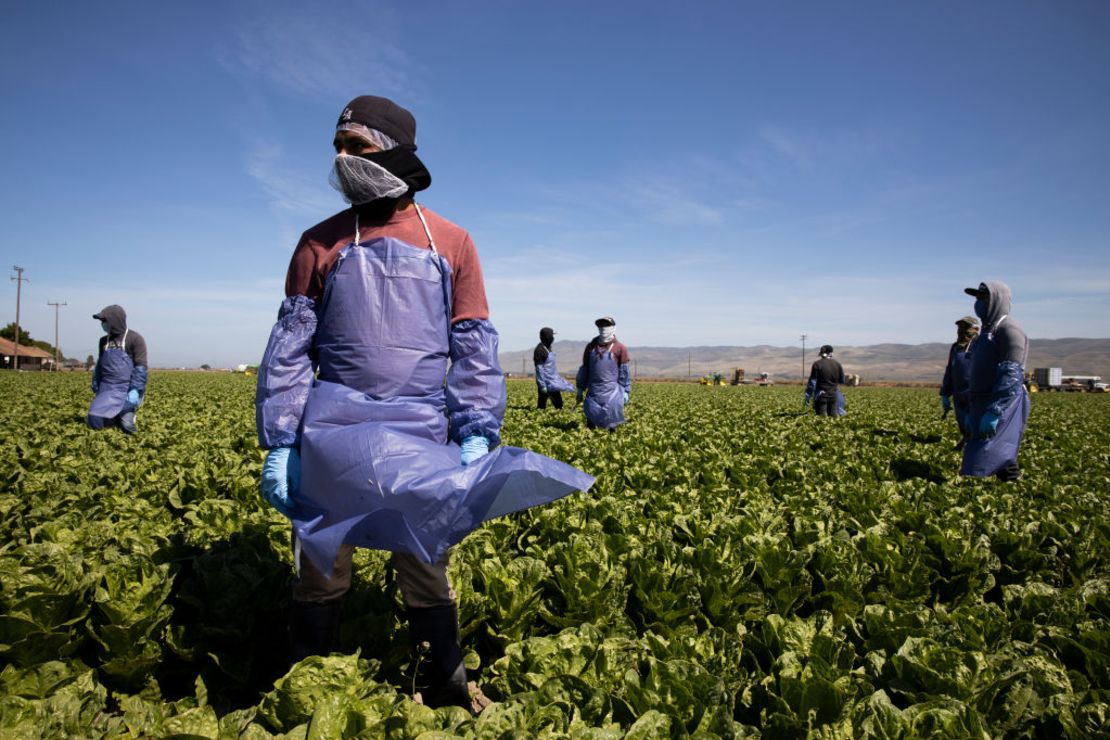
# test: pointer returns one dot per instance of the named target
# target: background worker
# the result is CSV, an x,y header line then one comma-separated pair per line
x,y
119,379
956,386
999,407
825,377
380,397
604,377
549,384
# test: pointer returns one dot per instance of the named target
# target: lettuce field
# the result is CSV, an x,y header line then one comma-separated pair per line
x,y
740,569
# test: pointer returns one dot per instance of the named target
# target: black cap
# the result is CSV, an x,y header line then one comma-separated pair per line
x,y
381,114
826,349
547,330
968,321
980,292
605,321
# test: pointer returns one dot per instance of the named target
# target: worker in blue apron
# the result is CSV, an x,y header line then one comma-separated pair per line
x,y
381,416
604,378
120,376
550,385
999,403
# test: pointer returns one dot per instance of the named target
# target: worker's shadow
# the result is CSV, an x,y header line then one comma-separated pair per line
x,y
903,468
228,625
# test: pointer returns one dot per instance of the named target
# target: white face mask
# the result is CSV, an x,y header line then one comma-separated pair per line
x,y
362,181
607,333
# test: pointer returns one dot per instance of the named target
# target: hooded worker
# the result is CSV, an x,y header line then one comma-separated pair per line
x,y
956,386
380,399
604,377
549,384
119,379
825,377
999,403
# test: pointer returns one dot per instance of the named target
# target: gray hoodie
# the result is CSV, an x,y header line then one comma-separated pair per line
x,y
1008,336
134,345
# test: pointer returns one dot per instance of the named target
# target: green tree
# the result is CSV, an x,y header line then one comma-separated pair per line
x,y
8,332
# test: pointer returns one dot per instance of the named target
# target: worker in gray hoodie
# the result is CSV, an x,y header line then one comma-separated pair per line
x,y
119,380
999,402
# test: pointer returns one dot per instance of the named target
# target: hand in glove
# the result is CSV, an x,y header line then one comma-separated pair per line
x,y
946,402
988,425
473,448
543,389
281,477
805,400
133,398
626,396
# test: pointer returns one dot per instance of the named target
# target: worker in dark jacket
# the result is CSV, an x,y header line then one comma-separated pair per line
x,y
549,384
999,406
824,378
955,388
119,380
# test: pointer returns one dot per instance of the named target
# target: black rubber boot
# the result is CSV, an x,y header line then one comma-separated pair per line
x,y
441,675
312,628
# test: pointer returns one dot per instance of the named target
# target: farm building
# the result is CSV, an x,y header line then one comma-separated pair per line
x,y
30,358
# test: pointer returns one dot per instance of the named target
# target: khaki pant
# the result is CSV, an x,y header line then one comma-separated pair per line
x,y
421,584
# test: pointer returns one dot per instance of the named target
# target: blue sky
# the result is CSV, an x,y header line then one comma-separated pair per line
x,y
722,173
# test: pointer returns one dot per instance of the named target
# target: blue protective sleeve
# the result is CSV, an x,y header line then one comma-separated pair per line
x,y
475,382
285,375
96,377
811,386
624,378
138,379
1008,385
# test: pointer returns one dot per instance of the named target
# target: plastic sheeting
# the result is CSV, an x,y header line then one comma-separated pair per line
x,y
1006,396
604,404
547,376
377,470
372,477
113,376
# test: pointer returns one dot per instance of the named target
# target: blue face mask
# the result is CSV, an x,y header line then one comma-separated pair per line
x,y
981,308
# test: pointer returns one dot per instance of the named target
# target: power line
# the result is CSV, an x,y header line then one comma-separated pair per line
x,y
56,305
18,279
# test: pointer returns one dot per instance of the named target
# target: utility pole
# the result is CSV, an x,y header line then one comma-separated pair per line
x,y
803,358
56,305
18,279
689,373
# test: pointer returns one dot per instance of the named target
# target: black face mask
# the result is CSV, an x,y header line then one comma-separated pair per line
x,y
404,164
547,338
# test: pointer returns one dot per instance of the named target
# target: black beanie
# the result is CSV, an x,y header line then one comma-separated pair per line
x,y
381,114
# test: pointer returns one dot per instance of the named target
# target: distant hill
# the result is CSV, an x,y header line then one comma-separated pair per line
x,y
875,362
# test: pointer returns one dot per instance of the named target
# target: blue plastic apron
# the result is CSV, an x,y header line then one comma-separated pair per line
x,y
961,388
604,405
548,376
987,455
114,377
377,470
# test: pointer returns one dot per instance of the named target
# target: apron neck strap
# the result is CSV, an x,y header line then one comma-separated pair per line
x,y
423,222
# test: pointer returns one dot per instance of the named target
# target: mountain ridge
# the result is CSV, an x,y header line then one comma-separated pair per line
x,y
888,361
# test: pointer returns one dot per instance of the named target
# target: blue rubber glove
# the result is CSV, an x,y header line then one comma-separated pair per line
x,y
946,402
626,396
474,447
543,389
805,400
281,477
988,425
133,398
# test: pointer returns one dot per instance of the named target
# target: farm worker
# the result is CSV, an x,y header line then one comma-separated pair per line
x,y
956,385
119,379
549,384
604,377
999,406
380,399
825,375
